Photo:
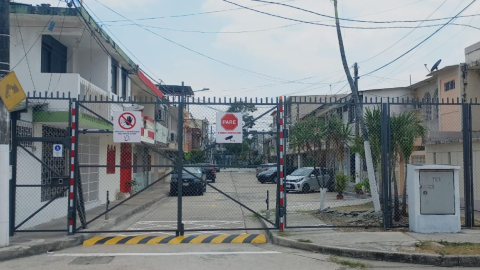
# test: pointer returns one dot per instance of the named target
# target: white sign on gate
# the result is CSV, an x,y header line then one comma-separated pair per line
x,y
57,150
229,128
127,127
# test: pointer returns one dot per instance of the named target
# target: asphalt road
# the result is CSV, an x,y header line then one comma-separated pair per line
x,y
219,207
199,257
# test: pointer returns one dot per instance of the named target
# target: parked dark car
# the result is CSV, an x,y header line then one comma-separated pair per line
x,y
210,172
264,167
270,175
194,182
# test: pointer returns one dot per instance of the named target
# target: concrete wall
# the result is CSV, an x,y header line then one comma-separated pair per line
x,y
108,182
92,65
450,115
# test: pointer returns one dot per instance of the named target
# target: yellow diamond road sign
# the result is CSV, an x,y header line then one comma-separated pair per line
x,y
11,91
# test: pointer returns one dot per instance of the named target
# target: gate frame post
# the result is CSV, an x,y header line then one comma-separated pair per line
x,y
14,116
281,211
180,227
72,196
385,168
467,164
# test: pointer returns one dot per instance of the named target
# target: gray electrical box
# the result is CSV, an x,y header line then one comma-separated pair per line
x,y
437,192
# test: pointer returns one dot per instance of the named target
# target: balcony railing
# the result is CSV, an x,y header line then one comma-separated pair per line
x,y
92,92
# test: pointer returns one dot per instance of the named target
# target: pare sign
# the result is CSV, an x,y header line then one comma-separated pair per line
x,y
229,128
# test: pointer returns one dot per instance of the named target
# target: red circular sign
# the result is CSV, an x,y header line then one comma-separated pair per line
x,y
229,121
127,120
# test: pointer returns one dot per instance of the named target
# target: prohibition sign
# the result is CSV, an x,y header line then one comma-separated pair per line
x,y
127,121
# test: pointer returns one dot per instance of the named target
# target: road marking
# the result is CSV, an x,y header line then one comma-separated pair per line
x,y
164,239
162,254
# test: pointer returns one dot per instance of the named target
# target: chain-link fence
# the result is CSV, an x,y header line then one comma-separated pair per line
x,y
41,174
185,175
328,184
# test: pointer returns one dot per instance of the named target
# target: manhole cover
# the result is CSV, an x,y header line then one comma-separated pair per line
x,y
92,260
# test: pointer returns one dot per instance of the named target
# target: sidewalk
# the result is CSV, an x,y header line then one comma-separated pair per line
x,y
394,246
33,243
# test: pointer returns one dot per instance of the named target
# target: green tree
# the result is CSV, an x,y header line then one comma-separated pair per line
x,y
408,127
338,137
246,109
195,156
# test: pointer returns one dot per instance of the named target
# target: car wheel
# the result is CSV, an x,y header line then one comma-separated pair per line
x,y
262,181
173,193
306,188
213,180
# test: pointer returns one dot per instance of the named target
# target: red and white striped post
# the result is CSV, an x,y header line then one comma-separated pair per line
x,y
282,199
71,192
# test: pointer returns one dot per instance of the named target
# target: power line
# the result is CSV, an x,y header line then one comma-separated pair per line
x,y
38,37
188,14
24,51
423,41
398,41
280,27
252,73
353,20
334,26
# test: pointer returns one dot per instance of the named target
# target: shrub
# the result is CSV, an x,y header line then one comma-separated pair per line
x,y
366,184
341,182
358,186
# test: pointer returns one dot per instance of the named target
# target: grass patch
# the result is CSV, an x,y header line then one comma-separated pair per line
x,y
255,215
283,234
448,248
348,263
304,240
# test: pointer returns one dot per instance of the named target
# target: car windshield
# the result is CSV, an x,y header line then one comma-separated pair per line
x,y
193,170
301,172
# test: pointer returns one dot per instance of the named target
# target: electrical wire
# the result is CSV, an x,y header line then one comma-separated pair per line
x,y
353,20
188,14
59,40
24,51
250,72
36,40
343,27
280,27
97,40
158,81
398,41
423,41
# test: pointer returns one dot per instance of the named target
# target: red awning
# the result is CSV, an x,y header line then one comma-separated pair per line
x,y
149,83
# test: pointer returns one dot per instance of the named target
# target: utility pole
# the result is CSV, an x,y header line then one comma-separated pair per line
x,y
359,113
4,135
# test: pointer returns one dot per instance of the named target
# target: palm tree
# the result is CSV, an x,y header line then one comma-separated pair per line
x,y
411,128
338,136
405,129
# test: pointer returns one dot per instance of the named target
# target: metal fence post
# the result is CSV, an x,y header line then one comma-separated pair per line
x,y
179,167
277,141
467,164
385,161
14,116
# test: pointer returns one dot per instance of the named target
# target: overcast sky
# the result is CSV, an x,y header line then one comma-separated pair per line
x,y
274,56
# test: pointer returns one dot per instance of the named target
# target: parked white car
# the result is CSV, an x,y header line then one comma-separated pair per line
x,y
305,179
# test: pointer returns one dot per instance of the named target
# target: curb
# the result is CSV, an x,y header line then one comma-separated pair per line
x,y
71,241
40,248
425,259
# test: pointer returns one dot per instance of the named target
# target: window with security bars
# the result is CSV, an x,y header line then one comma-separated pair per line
x,y
450,85
418,159
25,129
59,165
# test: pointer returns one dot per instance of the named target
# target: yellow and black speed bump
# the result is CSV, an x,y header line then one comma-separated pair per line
x,y
192,239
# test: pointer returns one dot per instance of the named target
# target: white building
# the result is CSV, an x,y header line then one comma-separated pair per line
x,y
63,50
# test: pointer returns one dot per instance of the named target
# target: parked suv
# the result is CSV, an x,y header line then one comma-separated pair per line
x,y
305,179
210,172
194,182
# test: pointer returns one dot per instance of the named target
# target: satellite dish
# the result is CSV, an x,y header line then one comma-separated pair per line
x,y
132,107
435,67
